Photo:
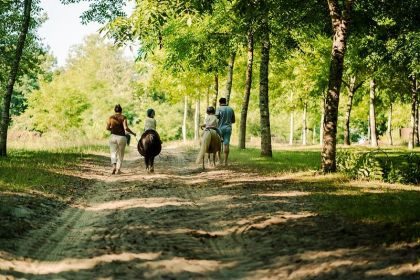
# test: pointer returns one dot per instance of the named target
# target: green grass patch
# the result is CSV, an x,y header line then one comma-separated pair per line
x,y
51,172
375,203
282,160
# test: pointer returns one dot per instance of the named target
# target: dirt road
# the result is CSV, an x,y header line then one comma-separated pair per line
x,y
183,223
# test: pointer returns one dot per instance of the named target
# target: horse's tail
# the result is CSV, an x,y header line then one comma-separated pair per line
x,y
205,142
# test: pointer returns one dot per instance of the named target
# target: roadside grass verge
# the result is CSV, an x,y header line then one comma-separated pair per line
x,y
282,160
358,201
47,171
35,184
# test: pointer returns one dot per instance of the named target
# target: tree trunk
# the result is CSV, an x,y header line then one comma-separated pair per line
x,y
389,130
264,103
292,127
247,93
184,120
230,77
304,128
418,116
197,120
372,114
5,111
216,90
351,91
340,22
321,125
208,97
416,123
411,141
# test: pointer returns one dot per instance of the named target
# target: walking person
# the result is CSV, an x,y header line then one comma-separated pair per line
x,y
226,117
117,124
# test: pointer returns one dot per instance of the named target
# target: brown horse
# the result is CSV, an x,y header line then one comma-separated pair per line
x,y
149,146
211,144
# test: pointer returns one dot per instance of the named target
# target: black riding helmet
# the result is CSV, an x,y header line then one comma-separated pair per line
x,y
211,110
150,113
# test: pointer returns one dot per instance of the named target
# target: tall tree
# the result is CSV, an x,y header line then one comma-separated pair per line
x,y
266,149
230,76
352,87
247,91
340,17
372,113
4,125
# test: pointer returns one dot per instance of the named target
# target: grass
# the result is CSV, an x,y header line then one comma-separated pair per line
x,y
373,202
53,172
282,160
46,171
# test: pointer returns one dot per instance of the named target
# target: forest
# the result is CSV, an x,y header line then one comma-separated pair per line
x,y
326,97
255,53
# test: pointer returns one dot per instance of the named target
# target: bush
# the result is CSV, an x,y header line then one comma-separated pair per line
x,y
378,165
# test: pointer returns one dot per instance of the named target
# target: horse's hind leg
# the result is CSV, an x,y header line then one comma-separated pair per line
x,y
152,168
146,162
214,159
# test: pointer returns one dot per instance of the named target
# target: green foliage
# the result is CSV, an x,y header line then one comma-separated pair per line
x,y
79,99
380,165
359,165
33,56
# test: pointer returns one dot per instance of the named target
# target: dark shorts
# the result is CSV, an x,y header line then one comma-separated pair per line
x,y
226,133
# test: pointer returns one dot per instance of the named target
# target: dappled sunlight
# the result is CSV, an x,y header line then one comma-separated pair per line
x,y
336,264
284,194
395,270
30,266
215,198
137,203
382,185
178,265
278,218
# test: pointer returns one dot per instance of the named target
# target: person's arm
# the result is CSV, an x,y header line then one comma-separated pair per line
x,y
233,116
126,128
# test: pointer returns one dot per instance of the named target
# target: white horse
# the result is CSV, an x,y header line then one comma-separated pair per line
x,y
210,144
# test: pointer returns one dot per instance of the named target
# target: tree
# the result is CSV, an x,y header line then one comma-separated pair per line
x,y
247,90
266,149
80,101
340,17
4,125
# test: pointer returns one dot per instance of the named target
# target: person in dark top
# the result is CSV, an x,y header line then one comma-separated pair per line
x,y
117,124
226,117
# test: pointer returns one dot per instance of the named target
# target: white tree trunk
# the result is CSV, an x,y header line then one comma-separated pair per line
x,y
184,120
197,121
372,114
321,125
304,128
292,128
390,142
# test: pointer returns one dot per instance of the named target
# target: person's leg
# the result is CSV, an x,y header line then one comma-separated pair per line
x,y
122,141
113,149
226,152
226,132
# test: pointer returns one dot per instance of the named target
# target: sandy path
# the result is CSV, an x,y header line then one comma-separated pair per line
x,y
182,223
